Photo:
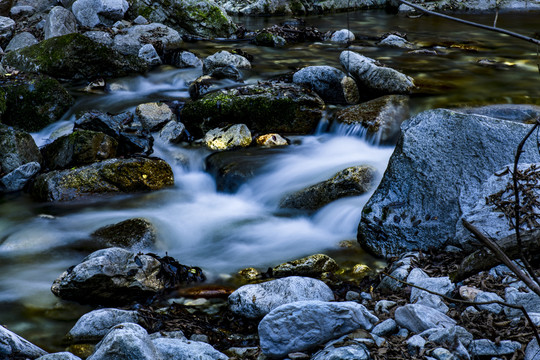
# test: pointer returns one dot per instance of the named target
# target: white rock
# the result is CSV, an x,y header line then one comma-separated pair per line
x,y
12,346
126,341
21,40
90,13
59,356
485,296
415,344
176,349
532,351
342,36
60,21
305,324
237,135
148,53
7,26
396,42
130,40
385,328
224,58
257,300
485,347
331,84
101,37
17,179
172,132
529,300
96,324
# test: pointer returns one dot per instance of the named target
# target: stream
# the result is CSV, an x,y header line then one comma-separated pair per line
x,y
223,233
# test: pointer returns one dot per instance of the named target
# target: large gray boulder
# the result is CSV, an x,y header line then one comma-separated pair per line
x,y
197,17
177,349
434,176
118,276
18,148
332,85
126,341
60,21
257,300
109,176
303,325
93,326
90,13
12,346
352,181
130,40
374,79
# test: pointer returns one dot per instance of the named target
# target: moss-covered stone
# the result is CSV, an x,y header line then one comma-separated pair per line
x,y
79,148
137,232
109,176
266,107
313,265
31,102
17,148
196,17
73,57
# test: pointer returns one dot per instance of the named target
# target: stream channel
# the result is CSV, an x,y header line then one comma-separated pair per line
x,y
223,233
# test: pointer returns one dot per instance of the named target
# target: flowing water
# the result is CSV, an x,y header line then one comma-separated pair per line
x,y
222,232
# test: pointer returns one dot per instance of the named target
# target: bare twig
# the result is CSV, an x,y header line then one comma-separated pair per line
x,y
517,212
481,26
491,245
474,303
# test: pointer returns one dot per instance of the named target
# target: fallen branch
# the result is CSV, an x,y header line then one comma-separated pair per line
x,y
481,26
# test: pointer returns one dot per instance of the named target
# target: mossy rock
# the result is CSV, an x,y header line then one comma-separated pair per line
x,y
313,265
78,148
17,148
109,176
196,17
73,57
136,232
264,108
31,102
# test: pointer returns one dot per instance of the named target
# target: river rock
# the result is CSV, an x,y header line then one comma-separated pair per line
x,y
477,5
82,59
18,148
263,108
532,351
418,318
425,160
331,84
485,296
352,181
136,232
523,113
381,117
109,176
529,300
295,7
374,79
267,38
7,26
130,40
33,101
224,58
90,13
12,346
153,116
126,341
177,349
17,179
60,21
441,285
21,11
342,36
395,41
415,344
197,17
257,300
131,139
233,168
20,41
448,337
149,54
186,59
270,140
118,276
78,148
350,352
485,347
385,328
312,266
303,325
228,138
206,84
59,356
172,132
93,326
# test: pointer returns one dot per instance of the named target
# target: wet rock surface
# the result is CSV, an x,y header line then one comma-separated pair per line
x,y
138,233
331,84
14,346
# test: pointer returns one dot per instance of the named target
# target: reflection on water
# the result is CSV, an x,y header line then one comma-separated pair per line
x,y
225,232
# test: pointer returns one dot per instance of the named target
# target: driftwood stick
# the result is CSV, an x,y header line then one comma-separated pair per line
x,y
491,245
473,303
481,26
